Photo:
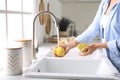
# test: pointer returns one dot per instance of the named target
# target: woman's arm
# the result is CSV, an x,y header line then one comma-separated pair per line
x,y
70,45
101,45
90,33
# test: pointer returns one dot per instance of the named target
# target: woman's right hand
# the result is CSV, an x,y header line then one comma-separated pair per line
x,y
69,46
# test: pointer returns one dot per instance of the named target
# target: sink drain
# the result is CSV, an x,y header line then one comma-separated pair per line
x,y
38,70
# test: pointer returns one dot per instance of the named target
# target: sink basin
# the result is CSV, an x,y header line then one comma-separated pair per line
x,y
71,68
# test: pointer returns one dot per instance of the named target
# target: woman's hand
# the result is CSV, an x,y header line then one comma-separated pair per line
x,y
92,47
88,50
69,46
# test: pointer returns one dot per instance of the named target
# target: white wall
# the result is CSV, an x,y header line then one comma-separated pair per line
x,y
81,12
55,8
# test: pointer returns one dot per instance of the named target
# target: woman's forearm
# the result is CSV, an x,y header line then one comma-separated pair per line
x,y
71,45
101,45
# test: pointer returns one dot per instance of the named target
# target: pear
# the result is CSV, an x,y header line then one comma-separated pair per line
x,y
59,51
81,46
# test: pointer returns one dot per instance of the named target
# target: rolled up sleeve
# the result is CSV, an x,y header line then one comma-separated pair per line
x,y
114,46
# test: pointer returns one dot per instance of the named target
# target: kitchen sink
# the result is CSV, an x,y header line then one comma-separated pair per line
x,y
71,68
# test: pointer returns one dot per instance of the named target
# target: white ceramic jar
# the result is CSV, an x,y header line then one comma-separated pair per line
x,y
27,51
13,62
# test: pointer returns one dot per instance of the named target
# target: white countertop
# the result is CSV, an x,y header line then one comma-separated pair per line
x,y
43,50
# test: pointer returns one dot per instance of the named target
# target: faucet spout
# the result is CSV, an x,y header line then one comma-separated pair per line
x,y
56,26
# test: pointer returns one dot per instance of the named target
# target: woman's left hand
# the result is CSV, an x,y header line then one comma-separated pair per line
x,y
88,50
92,47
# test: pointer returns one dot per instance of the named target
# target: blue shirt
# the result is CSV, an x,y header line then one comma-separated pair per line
x,y
112,31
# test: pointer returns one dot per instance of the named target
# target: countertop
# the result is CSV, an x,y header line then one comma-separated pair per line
x,y
43,50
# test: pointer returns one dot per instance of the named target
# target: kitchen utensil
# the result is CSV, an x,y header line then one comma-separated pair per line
x,y
41,8
48,21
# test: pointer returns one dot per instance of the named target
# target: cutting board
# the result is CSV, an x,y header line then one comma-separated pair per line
x,y
41,8
48,21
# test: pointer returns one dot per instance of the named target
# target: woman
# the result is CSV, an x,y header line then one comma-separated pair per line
x,y
107,24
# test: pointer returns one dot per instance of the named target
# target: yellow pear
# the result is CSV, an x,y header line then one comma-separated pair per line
x,y
81,46
59,51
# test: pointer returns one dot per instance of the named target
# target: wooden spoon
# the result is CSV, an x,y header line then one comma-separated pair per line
x,y
48,21
41,8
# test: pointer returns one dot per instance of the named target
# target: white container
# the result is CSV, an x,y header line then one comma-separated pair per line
x,y
13,61
27,51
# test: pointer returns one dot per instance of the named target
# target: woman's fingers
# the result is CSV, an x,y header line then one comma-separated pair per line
x,y
87,50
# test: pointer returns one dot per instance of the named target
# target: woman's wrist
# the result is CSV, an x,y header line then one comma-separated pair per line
x,y
100,45
72,44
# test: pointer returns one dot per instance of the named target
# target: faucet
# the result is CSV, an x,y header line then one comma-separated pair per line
x,y
56,26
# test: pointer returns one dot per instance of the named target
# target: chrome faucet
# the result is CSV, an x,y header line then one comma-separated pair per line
x,y
55,21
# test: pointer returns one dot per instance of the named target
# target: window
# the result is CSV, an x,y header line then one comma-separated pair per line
x,y
16,18
2,5
14,5
2,29
14,26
